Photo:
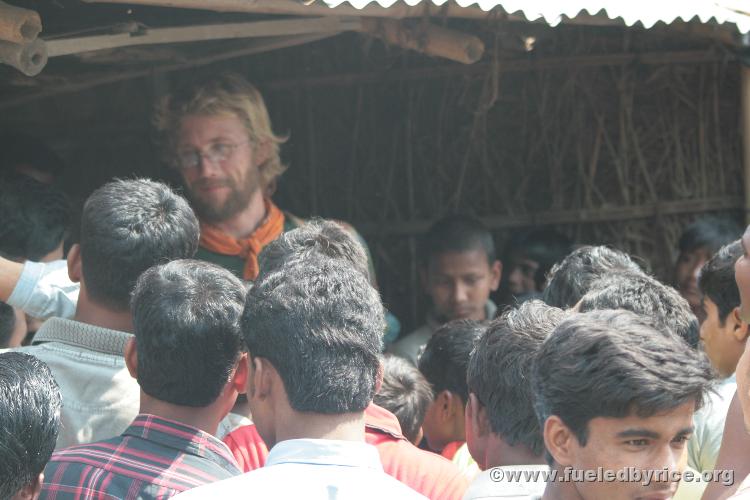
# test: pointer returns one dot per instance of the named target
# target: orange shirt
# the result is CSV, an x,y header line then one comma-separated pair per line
x,y
431,475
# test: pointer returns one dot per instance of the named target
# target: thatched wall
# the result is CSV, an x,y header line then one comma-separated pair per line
x,y
392,140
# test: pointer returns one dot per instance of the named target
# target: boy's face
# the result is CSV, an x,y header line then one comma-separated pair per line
x,y
460,283
742,277
723,343
686,271
654,443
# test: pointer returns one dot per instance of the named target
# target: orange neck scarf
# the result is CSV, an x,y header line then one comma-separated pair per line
x,y
215,240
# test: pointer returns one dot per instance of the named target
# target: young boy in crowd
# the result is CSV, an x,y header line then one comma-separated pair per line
x,y
459,270
528,258
723,335
571,278
502,430
29,423
405,393
444,364
614,391
698,242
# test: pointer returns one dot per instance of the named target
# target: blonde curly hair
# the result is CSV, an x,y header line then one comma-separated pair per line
x,y
225,94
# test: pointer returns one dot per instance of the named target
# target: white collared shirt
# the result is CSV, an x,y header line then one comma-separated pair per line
x,y
313,469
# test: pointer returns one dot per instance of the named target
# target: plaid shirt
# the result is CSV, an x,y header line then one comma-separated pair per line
x,y
153,458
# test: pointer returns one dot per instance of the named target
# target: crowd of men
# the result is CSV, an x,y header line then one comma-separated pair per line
x,y
216,346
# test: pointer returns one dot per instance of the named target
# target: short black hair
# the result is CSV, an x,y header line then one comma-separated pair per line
x,y
716,279
456,233
446,356
546,247
499,371
405,393
570,279
7,324
23,149
128,226
710,232
35,216
319,322
186,321
29,420
614,364
315,237
645,296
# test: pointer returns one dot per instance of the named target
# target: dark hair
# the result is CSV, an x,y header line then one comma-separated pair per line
x,y
35,218
319,322
23,149
315,237
571,278
456,233
446,356
29,420
186,321
716,279
544,246
128,226
405,393
7,324
645,296
614,364
709,232
499,371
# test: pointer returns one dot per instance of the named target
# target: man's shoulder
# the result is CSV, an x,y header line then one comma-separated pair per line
x,y
518,482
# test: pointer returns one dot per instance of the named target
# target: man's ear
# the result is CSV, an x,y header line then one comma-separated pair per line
x,y
74,263
379,377
740,329
131,357
240,379
32,490
559,441
445,401
496,272
261,378
261,153
476,417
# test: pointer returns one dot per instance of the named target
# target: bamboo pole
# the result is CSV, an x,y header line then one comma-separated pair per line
x,y
745,100
28,58
427,38
18,25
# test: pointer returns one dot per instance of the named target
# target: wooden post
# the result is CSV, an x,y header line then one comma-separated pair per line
x,y
18,25
745,105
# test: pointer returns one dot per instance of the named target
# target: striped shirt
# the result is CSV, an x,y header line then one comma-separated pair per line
x,y
154,458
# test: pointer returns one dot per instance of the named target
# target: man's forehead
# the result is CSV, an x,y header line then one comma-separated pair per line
x,y
459,261
666,424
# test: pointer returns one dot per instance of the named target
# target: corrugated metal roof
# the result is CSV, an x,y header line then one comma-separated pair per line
x,y
646,12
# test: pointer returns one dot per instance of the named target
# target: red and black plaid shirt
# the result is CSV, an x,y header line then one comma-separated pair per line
x,y
153,458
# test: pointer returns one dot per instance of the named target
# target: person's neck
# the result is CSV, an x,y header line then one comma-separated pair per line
x,y
92,313
500,453
205,418
559,490
245,222
343,427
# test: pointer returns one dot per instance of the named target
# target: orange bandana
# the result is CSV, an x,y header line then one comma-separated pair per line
x,y
215,240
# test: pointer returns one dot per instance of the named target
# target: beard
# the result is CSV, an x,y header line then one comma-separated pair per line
x,y
213,211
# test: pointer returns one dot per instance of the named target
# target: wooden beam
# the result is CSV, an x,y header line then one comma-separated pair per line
x,y
745,112
254,47
558,217
18,25
427,38
182,34
379,77
294,8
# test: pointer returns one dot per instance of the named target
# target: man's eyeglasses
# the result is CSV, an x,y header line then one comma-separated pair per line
x,y
216,153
